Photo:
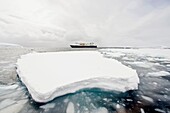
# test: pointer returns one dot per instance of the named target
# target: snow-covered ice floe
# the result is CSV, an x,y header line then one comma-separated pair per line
x,y
53,74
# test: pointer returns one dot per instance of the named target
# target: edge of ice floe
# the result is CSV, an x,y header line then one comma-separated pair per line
x,y
106,83
111,85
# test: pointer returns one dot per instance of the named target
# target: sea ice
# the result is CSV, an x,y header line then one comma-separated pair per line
x,y
160,73
148,98
5,103
100,110
46,107
142,52
115,55
141,64
3,87
70,108
53,74
14,107
142,110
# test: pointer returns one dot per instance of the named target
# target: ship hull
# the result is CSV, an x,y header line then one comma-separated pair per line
x,y
78,46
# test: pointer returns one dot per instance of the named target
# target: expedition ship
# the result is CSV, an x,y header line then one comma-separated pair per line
x,y
83,45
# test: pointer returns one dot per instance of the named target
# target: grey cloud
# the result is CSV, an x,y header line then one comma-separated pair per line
x,y
107,22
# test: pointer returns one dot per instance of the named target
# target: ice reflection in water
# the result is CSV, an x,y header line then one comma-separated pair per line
x,y
153,95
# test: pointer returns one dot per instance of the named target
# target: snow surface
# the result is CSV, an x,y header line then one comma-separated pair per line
x,y
53,74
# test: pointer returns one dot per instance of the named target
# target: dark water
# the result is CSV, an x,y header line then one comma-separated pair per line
x,y
153,95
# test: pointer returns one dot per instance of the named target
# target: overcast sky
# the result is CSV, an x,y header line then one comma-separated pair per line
x,y
105,22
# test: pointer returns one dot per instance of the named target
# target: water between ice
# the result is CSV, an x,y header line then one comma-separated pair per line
x,y
153,95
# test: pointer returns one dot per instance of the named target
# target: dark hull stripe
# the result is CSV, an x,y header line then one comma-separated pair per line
x,y
74,46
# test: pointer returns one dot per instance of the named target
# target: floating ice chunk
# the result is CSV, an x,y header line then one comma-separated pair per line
x,y
157,74
5,87
70,108
168,65
128,59
46,107
147,98
119,108
159,110
129,100
161,59
49,75
142,110
141,64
